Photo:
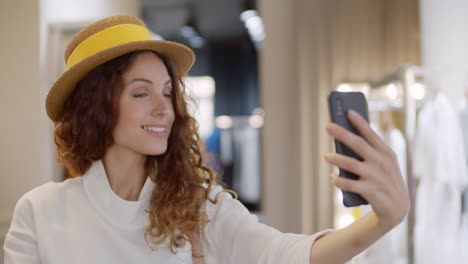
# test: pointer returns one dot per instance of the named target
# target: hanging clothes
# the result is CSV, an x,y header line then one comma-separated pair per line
x,y
240,156
396,141
398,235
440,165
463,238
463,115
247,171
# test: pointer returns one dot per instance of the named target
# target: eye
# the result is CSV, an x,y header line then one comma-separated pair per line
x,y
167,91
139,95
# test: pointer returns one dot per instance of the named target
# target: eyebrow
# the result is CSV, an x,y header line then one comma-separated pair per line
x,y
147,81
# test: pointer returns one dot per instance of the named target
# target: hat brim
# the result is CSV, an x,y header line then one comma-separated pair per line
x,y
182,56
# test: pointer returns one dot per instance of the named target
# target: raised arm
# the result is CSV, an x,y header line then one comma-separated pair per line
x,y
380,183
233,235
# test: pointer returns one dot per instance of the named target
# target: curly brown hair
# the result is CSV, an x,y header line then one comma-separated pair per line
x,y
84,133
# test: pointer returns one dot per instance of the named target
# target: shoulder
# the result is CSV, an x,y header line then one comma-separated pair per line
x,y
222,203
51,190
49,194
216,190
219,194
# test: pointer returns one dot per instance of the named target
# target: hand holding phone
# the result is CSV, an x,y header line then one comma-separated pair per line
x,y
339,103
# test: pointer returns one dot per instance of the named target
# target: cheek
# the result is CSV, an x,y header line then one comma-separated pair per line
x,y
122,130
129,121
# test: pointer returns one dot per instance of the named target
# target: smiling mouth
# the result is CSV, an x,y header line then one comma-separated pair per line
x,y
159,129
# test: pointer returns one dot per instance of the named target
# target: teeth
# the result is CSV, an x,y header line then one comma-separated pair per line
x,y
154,129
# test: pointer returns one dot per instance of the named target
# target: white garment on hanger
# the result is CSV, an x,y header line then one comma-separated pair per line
x,y
463,115
463,238
398,235
439,163
247,171
396,141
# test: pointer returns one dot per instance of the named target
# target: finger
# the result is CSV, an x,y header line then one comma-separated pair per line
x,y
349,185
363,188
365,130
351,140
347,163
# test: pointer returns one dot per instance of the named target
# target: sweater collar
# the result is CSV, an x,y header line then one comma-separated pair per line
x,y
126,214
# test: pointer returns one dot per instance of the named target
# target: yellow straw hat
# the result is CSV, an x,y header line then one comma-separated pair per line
x,y
105,40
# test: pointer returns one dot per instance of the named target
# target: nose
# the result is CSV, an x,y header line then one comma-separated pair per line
x,y
161,105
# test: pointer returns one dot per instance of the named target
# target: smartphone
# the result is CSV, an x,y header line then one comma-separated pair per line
x,y
339,103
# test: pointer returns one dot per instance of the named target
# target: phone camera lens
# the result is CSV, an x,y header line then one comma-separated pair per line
x,y
339,108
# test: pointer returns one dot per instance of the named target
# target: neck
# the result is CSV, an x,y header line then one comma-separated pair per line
x,y
125,171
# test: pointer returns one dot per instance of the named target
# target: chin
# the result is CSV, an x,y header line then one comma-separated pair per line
x,y
154,151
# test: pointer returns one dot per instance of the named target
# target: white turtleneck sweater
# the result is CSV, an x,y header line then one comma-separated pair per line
x,y
82,220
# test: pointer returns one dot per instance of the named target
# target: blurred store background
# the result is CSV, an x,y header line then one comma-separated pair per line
x,y
260,84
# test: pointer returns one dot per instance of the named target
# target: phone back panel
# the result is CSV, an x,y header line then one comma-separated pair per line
x,y
339,103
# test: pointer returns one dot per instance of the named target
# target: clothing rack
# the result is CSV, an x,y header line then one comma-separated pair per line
x,y
239,139
406,76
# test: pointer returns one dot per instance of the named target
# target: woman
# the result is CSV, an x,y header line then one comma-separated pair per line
x,y
144,195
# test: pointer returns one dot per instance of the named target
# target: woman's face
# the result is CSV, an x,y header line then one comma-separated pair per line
x,y
146,113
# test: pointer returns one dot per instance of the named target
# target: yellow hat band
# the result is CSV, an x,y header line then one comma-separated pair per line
x,y
107,38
